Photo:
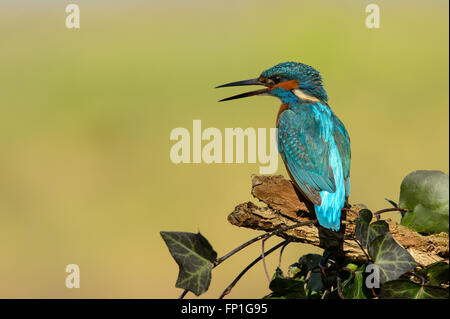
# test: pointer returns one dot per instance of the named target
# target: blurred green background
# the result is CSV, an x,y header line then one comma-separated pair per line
x,y
85,117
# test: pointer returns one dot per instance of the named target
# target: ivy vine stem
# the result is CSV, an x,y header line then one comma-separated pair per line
x,y
393,209
251,241
254,262
263,236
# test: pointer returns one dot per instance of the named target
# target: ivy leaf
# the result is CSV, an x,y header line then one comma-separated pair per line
x,y
309,262
362,226
353,287
353,267
315,281
306,263
378,228
295,270
405,289
282,285
436,273
365,231
194,256
392,259
286,288
425,195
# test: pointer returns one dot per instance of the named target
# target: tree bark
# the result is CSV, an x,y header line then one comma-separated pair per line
x,y
284,206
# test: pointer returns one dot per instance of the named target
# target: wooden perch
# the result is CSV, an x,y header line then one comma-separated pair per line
x,y
284,207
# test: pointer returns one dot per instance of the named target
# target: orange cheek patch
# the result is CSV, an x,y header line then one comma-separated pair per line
x,y
287,85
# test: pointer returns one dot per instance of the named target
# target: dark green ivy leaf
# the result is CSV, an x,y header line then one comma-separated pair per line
x,y
306,263
392,259
378,228
353,287
425,195
365,231
362,226
295,271
405,289
195,256
436,273
285,288
309,262
314,282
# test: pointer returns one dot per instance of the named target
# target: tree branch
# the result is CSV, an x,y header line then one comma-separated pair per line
x,y
282,207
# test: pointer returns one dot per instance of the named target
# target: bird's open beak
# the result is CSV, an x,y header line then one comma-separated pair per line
x,y
242,83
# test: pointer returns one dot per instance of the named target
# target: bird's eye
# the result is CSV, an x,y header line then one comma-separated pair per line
x,y
266,81
276,79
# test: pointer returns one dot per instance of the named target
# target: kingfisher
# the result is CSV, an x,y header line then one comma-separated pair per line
x,y
312,141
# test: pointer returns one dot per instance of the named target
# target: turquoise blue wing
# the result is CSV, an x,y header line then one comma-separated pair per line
x,y
306,153
342,140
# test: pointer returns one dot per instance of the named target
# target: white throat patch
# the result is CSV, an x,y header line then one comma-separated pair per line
x,y
305,97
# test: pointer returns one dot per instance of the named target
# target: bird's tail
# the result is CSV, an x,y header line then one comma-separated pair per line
x,y
329,212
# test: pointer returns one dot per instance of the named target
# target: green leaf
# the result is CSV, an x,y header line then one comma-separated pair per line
x,y
287,295
405,289
362,226
352,267
353,287
365,231
436,273
309,262
282,285
306,263
195,256
392,259
295,270
425,195
286,288
314,282
378,228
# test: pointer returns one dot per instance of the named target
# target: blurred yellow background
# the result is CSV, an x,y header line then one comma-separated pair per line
x,y
85,117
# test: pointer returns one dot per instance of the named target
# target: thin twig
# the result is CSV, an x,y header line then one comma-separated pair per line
x,y
281,252
254,262
308,274
265,235
422,279
362,248
374,293
393,209
183,294
339,288
264,260
251,241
